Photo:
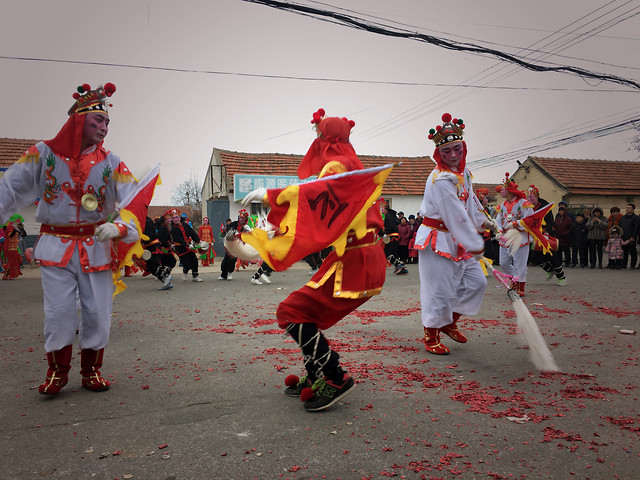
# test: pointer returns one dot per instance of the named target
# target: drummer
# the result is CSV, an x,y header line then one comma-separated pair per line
x,y
184,238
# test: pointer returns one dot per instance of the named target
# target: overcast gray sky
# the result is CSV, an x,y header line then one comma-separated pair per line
x,y
215,75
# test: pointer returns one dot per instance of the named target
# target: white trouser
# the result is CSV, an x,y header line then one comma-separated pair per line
x,y
447,287
62,286
515,265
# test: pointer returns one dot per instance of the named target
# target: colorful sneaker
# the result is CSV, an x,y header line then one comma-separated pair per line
x,y
326,393
562,282
401,271
296,390
549,276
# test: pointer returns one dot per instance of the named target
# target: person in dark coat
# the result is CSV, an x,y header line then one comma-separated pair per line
x,y
630,224
578,234
562,225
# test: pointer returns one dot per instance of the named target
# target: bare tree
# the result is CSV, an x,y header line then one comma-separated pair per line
x,y
635,142
187,193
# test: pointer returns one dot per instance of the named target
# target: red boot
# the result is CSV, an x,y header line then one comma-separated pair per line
x,y
432,342
91,362
452,330
57,374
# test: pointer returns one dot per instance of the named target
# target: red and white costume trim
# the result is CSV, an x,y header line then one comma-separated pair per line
x,y
508,215
66,248
451,279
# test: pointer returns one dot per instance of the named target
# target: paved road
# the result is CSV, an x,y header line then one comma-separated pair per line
x,y
198,374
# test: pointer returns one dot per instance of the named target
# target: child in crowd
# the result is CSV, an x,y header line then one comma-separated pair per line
x,y
413,253
614,248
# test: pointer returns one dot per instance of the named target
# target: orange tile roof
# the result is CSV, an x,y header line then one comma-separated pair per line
x,y
407,179
592,177
12,148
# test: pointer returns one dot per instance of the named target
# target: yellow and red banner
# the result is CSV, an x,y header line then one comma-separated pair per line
x,y
134,208
533,225
316,214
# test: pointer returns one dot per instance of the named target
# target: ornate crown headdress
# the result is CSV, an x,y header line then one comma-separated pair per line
x,y
88,100
450,131
533,190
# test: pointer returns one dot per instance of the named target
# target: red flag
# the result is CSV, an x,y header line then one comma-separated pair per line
x,y
134,207
533,225
316,214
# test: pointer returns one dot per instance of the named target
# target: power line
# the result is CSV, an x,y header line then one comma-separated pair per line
x,y
560,142
293,77
358,23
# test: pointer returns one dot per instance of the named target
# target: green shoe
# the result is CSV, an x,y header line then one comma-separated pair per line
x,y
326,393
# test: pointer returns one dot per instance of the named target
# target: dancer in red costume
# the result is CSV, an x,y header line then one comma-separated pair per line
x,y
79,183
343,282
11,256
206,235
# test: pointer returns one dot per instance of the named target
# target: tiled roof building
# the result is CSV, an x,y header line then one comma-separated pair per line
x,y
11,149
581,182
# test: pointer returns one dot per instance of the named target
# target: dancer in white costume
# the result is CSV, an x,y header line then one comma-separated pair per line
x,y
514,208
78,183
452,282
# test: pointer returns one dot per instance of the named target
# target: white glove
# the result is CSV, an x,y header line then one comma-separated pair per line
x,y
106,232
491,224
254,196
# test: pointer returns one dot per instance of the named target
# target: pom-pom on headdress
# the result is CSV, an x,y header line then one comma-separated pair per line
x,y
450,131
331,144
243,213
510,186
88,100
533,190
481,193
171,213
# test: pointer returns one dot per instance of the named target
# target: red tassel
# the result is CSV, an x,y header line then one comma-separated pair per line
x,y
306,394
291,380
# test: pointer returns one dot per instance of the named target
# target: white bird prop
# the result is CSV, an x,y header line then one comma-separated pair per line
x,y
236,247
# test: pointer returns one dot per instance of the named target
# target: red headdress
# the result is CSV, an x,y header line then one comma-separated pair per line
x,y
510,186
332,144
533,190
450,131
68,141
481,193
243,213
172,212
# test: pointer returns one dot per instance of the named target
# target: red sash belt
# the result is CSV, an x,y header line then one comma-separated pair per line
x,y
434,223
78,231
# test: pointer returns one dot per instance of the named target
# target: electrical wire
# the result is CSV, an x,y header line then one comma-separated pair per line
x,y
358,23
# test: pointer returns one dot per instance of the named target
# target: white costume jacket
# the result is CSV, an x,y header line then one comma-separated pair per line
x,y
452,216
509,213
60,185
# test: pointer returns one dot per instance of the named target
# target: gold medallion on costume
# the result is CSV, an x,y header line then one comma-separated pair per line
x,y
89,202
